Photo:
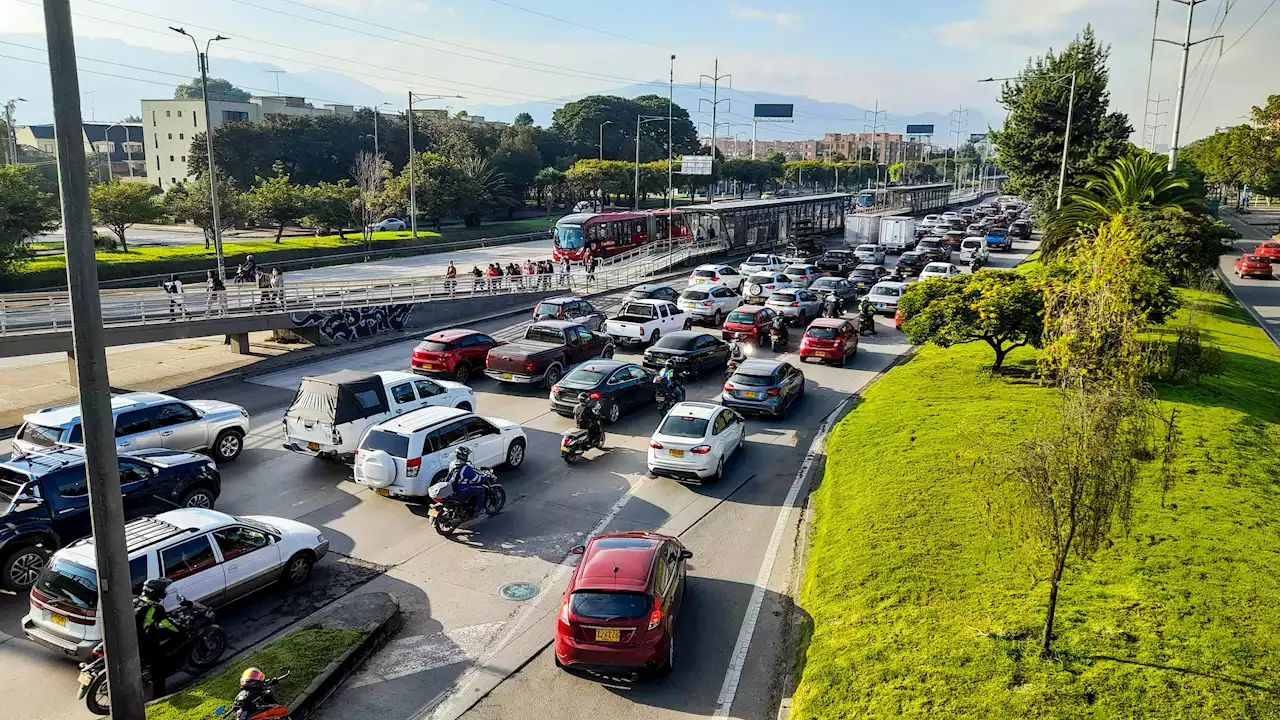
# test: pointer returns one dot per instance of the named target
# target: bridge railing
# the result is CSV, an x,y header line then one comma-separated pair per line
x,y
28,313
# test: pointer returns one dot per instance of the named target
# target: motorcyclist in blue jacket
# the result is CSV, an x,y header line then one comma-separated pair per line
x,y
669,379
466,480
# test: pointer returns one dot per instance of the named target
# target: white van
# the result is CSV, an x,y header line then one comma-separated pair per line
x,y
331,412
405,456
972,247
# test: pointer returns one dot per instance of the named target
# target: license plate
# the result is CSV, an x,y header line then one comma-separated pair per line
x,y
820,354
564,448
58,619
676,453
506,376
84,678
314,447
749,395
382,491
433,512
608,635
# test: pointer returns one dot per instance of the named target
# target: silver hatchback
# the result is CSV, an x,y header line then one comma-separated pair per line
x,y
797,304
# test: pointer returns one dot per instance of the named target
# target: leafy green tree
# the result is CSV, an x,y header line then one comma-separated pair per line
x,y
25,211
610,177
523,119
1002,308
1238,157
1133,181
775,157
579,123
485,189
190,202
333,206
1181,245
117,205
548,180
518,159
219,89
1030,143
276,201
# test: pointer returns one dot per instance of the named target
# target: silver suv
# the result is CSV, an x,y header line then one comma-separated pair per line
x,y
146,420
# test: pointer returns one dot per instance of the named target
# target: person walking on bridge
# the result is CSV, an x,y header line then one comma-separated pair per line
x,y
173,288
450,279
215,294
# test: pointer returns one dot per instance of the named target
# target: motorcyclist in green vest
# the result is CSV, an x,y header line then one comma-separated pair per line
x,y
155,629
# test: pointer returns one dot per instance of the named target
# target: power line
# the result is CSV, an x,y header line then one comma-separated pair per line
x,y
579,25
1250,28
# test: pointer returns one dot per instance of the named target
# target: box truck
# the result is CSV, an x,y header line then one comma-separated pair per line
x,y
898,233
861,230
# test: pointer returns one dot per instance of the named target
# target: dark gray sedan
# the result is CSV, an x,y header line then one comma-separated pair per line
x,y
845,290
763,387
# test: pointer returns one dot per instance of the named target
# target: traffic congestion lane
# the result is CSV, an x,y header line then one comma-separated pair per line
x,y
1260,295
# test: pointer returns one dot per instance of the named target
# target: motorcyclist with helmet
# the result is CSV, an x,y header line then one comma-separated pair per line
x,y
669,380
156,632
866,317
779,326
465,478
586,416
833,306
255,694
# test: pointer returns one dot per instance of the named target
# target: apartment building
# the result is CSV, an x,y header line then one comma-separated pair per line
x,y
792,149
887,147
121,142
170,125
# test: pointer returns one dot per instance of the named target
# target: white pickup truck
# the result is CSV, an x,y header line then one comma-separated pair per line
x,y
644,321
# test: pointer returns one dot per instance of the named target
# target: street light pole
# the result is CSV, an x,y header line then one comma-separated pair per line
x,y
671,84
11,139
376,153
606,122
106,138
1066,140
413,180
106,510
203,57
635,197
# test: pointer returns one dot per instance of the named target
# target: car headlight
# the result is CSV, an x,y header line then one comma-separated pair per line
x,y
320,540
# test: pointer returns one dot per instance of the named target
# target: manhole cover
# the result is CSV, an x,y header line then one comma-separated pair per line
x,y
518,591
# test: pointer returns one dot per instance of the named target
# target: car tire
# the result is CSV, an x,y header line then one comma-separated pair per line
x,y
607,353
719,473
717,318
198,498
515,454
688,323
462,372
465,406
656,336
22,567
297,571
667,665
228,445
552,377
615,412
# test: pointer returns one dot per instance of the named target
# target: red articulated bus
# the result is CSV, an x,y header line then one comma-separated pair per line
x,y
614,233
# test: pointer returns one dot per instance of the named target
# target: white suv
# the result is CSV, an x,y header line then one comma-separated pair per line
x,y
726,275
405,456
709,303
211,557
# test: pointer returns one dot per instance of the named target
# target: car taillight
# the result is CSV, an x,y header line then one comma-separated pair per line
x,y
715,278
593,396
728,387
655,617
700,449
707,304
655,444
97,652
772,392
412,466
795,304
530,367
564,611
555,389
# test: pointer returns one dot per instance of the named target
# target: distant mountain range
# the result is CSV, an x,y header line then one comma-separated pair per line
x,y
118,88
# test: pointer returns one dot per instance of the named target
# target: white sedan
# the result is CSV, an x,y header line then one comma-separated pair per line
x,y
870,254
726,275
694,441
939,270
388,224
761,262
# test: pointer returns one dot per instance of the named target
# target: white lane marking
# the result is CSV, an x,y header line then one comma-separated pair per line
x,y
459,700
729,688
407,656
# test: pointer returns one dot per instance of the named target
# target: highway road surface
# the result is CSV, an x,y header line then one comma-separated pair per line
x,y
1260,296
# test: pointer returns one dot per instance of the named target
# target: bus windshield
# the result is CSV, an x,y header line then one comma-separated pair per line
x,y
569,237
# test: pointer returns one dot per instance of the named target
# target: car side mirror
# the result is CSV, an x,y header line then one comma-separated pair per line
x,y
686,554
155,471
577,549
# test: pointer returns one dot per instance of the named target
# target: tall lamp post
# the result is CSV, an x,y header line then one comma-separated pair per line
x,y
640,119
1066,135
106,140
208,142
375,127
413,181
671,85
601,144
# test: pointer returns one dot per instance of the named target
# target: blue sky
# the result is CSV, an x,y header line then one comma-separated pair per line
x,y
911,56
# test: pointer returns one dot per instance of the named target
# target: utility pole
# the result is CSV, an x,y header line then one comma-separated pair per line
x,y
11,135
413,182
203,58
1151,65
376,152
671,89
715,79
875,137
958,122
1155,120
640,119
1186,46
115,589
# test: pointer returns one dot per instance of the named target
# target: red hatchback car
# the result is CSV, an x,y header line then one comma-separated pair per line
x,y
619,612
832,340
1255,265
1269,249
454,354
751,321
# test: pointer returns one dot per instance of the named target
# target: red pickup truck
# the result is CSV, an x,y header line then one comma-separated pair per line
x,y
547,351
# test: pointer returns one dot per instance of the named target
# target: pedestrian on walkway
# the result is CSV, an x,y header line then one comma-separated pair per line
x,y
173,288
564,271
592,264
476,279
277,286
215,294
451,279
517,280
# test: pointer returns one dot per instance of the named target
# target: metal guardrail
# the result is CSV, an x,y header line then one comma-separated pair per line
x,y
31,313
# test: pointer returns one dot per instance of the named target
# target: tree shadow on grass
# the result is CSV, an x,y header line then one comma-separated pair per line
x,y
1186,671
1243,386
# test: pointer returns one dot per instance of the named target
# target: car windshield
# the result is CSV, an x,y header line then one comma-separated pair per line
x,y
760,279
758,260
641,294
542,333
71,582
683,426
825,284
928,243
782,297
41,435
433,346
10,483
821,333
751,380
796,270
568,237
639,310
694,295
548,309
605,605
866,249
738,316
587,376
935,267
864,273
909,258
389,443
676,342
997,232
971,244
886,291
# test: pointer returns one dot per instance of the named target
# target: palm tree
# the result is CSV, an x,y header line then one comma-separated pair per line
x,y
490,188
1132,181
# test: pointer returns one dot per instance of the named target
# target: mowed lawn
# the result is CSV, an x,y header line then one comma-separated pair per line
x,y
922,608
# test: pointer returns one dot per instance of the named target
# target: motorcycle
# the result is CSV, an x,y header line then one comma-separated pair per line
x,y
576,441
202,646
667,396
832,307
976,264
259,703
447,511
866,324
777,340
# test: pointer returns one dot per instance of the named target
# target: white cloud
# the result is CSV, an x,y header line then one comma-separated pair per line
x,y
1011,19
756,15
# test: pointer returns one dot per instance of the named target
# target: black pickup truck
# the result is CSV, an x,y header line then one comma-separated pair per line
x,y
547,351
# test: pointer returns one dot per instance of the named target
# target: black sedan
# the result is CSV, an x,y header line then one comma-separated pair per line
x,y
837,262
912,262
653,292
618,386
694,353
866,275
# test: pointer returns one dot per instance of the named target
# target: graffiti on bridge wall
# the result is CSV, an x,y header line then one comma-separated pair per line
x,y
354,323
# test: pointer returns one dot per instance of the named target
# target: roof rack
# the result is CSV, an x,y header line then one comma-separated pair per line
x,y
144,532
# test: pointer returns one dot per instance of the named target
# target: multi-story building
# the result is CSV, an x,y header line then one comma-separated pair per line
x,y
122,143
170,125
885,147
792,149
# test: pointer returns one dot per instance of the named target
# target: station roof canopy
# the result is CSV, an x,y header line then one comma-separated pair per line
x,y
725,205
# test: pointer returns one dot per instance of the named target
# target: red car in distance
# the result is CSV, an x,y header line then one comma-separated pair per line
x,y
831,340
619,611
454,353
750,321
1253,266
1269,249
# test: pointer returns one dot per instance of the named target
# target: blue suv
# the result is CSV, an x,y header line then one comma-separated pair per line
x,y
45,496
999,239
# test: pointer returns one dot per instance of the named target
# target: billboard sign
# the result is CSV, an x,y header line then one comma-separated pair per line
x,y
767,110
695,164
919,129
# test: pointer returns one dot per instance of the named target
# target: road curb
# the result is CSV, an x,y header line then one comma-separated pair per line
x,y
1257,318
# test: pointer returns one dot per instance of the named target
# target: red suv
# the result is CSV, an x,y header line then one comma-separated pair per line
x,y
750,321
452,353
619,611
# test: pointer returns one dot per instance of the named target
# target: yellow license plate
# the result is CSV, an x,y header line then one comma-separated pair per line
x,y
506,376
749,395
84,678
564,448
432,512
58,619
676,453
821,354
314,447
608,635
382,491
